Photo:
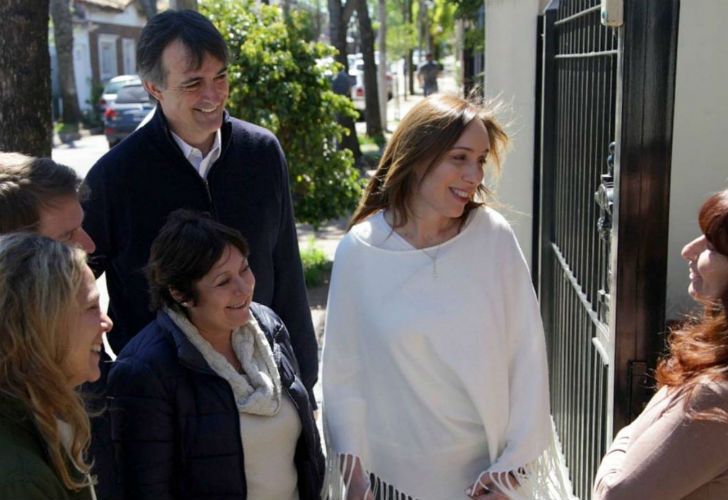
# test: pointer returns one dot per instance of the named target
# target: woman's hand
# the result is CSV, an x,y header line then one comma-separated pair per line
x,y
359,494
359,487
485,489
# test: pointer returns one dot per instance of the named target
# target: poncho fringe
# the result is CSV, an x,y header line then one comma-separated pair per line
x,y
542,479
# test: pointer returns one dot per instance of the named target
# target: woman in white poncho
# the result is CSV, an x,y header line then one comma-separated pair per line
x,y
434,365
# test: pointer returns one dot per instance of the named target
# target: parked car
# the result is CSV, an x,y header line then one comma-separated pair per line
x,y
123,116
112,88
356,74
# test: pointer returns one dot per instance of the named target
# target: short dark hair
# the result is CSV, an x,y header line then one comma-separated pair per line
x,y
185,249
195,31
27,185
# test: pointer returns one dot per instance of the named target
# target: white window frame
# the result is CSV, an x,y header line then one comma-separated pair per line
x,y
105,73
128,50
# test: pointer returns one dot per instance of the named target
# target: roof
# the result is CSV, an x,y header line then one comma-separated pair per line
x,y
120,5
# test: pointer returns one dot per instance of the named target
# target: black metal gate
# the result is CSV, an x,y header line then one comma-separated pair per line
x,y
592,276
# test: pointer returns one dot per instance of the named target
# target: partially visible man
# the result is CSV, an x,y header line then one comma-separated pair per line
x,y
427,75
193,155
40,195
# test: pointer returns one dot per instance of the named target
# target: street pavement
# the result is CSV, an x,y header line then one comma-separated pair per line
x,y
82,153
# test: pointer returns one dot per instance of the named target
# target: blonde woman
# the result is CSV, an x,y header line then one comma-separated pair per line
x,y
50,342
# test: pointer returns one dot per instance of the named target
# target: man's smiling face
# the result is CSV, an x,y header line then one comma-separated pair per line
x,y
192,99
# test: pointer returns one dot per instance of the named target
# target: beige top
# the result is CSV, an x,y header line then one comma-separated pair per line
x,y
665,455
269,445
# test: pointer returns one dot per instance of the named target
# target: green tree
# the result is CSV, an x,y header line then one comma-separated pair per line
x,y
401,35
275,82
373,114
63,37
149,7
185,4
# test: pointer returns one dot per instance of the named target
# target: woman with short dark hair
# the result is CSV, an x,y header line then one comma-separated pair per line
x,y
676,448
207,399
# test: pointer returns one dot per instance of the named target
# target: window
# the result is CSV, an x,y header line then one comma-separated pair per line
x,y
107,57
128,48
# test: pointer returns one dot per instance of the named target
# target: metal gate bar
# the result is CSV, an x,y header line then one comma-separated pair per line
x,y
575,301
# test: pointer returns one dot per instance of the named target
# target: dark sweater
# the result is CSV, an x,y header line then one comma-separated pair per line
x,y
177,425
135,186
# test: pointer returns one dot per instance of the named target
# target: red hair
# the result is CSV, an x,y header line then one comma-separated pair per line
x,y
699,349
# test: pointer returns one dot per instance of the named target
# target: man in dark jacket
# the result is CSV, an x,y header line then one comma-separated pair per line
x,y
40,195
193,155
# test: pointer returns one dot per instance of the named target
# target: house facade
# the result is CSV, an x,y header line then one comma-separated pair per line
x,y
105,34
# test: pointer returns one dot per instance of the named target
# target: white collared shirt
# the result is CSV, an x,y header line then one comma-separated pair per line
x,y
194,155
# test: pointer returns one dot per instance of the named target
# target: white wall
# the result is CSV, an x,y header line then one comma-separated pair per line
x,y
82,66
700,140
510,75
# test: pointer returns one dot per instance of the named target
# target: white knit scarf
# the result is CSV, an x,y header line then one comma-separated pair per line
x,y
257,390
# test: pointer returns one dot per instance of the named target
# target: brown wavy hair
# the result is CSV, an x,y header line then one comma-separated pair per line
x,y
39,282
28,185
699,349
423,137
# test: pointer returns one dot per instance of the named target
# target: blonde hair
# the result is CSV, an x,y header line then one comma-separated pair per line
x,y
423,137
39,282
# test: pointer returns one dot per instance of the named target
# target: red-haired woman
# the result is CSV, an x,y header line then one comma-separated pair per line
x,y
677,447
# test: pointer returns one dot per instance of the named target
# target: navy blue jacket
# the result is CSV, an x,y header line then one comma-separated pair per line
x,y
176,425
137,184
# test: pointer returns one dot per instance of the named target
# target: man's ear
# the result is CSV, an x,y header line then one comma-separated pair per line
x,y
154,90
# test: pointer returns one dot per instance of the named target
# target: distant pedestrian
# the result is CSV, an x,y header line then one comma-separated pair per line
x,y
427,75
341,85
676,448
434,364
192,154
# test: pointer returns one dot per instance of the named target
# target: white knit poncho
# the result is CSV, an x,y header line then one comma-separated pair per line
x,y
432,378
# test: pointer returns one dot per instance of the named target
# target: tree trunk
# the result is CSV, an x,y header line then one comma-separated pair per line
x,y
25,93
409,6
186,4
371,94
339,16
149,7
338,20
317,19
382,66
63,34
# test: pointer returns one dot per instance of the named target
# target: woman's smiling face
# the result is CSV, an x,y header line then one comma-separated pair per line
x,y
446,188
224,295
85,339
708,270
